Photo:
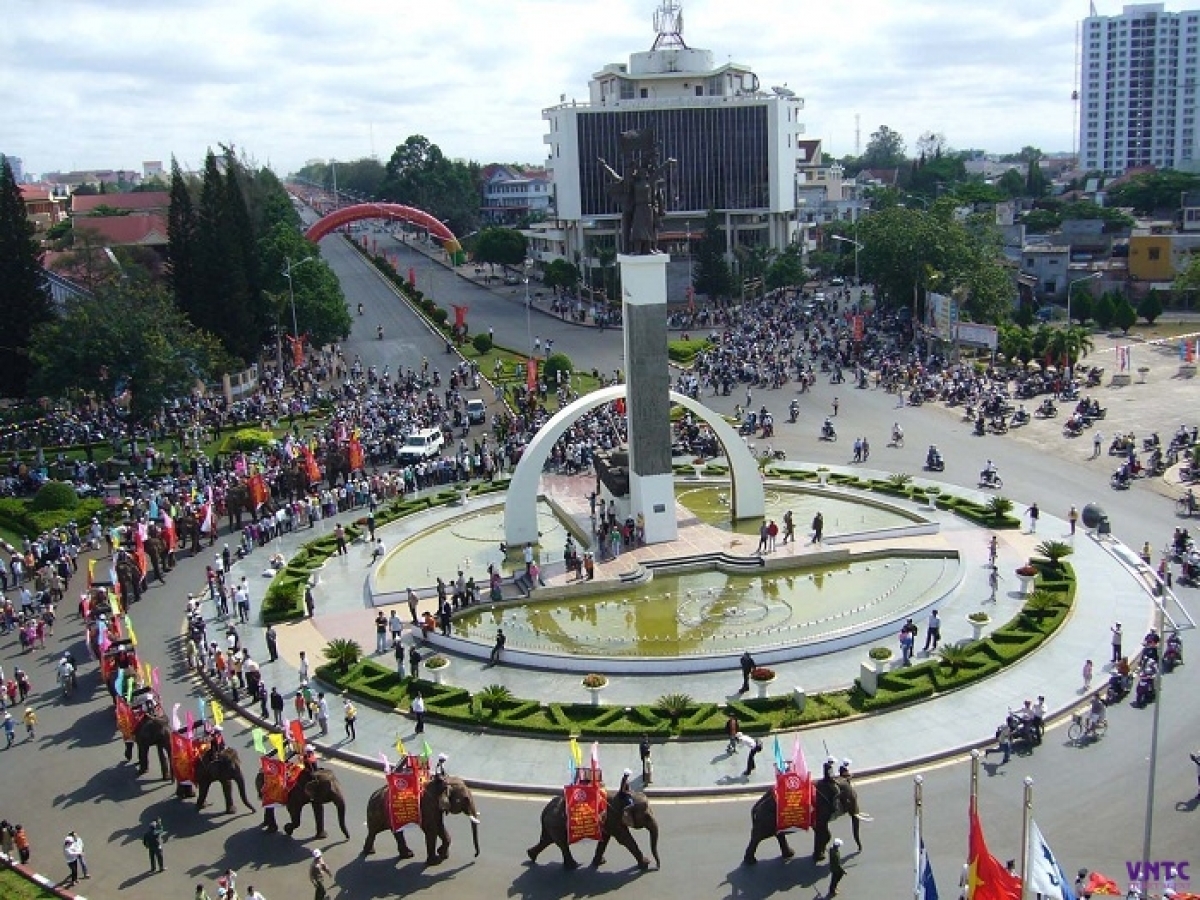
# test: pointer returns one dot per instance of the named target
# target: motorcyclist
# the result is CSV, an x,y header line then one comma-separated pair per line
x,y
793,411
988,475
379,331
897,433
827,427
934,457
1190,497
360,309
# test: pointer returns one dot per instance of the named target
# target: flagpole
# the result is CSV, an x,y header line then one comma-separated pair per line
x,y
976,756
1027,814
918,815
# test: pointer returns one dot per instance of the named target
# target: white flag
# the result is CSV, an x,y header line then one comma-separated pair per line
x,y
1043,874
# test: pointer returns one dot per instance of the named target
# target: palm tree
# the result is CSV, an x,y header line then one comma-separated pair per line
x,y
1070,344
493,696
343,652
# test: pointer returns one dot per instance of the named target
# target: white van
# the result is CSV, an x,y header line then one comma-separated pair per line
x,y
421,445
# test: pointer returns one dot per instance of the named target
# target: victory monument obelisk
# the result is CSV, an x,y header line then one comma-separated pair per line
x,y
641,194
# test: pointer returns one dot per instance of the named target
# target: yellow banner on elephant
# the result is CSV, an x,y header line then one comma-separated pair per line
x,y
277,742
218,713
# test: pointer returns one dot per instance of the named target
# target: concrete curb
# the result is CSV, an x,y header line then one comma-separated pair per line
x,y
36,878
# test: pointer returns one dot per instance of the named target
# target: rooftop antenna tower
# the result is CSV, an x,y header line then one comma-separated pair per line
x,y
857,135
668,25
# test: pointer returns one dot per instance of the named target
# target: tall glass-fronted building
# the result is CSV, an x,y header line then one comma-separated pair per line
x,y
738,146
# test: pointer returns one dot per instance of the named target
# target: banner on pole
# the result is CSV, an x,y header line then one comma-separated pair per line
x,y
793,801
587,805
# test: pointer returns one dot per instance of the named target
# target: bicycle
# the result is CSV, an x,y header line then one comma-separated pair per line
x,y
1080,731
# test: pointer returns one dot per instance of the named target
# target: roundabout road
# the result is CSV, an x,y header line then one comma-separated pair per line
x,y
1089,802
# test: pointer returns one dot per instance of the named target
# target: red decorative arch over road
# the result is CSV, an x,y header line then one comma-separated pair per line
x,y
411,214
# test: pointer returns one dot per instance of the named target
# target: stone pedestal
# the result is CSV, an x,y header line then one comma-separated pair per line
x,y
648,385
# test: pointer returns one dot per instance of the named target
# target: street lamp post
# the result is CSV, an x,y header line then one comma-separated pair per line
x,y
857,247
287,273
528,326
1072,285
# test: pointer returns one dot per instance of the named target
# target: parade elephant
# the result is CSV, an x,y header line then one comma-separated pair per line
x,y
617,825
453,796
129,578
160,561
187,529
152,731
337,462
237,504
832,797
315,786
226,768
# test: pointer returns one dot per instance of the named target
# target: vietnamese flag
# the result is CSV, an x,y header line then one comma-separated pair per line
x,y
531,374
987,879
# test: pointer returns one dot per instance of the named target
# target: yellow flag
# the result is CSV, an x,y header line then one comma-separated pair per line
x,y
576,753
277,742
146,672
400,746
218,713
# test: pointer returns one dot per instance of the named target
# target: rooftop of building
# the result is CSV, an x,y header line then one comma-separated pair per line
x,y
82,205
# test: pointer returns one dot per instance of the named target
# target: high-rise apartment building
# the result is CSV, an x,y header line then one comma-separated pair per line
x,y
1137,90
738,146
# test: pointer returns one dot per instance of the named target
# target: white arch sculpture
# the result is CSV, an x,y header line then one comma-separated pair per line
x,y
520,513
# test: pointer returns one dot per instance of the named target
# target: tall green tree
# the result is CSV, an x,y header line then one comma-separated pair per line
x,y
884,150
419,174
125,336
1151,306
321,311
24,294
1147,193
711,274
786,269
501,247
1035,181
181,241
1124,316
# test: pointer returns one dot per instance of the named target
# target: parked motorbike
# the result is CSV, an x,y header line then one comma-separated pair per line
x,y
1173,655
1145,693
1047,410
1019,418
1117,689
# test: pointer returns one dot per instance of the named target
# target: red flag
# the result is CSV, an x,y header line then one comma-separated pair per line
x,y
460,315
296,733
275,778
987,879
586,805
356,454
531,374
257,485
310,466
183,758
403,797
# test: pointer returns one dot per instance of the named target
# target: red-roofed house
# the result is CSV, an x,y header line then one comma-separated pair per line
x,y
139,201
124,231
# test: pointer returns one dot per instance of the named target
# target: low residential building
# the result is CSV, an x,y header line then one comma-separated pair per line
x,y
1156,258
144,202
43,206
1047,265
511,194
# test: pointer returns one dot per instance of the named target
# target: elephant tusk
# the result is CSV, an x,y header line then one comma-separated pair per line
x,y
474,820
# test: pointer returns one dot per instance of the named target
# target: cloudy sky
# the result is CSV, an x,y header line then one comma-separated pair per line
x,y
110,83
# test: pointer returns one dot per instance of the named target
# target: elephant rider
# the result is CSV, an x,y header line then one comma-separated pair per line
x,y
625,797
438,782
216,743
851,800
310,759
827,792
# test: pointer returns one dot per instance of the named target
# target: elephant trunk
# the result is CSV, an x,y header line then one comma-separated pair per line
x,y
340,803
241,786
652,827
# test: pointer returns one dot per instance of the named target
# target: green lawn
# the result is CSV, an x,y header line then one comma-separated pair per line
x,y
14,887
512,363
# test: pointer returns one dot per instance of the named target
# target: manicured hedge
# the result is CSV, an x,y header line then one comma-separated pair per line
x,y
18,516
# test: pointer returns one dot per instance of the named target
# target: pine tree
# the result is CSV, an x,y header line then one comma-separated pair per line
x,y
24,294
181,242
245,308
711,274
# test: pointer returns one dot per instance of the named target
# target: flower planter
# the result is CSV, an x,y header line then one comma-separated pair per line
x,y
438,674
1026,584
822,477
698,470
761,687
596,688
977,627
463,496
931,499
1143,371
595,694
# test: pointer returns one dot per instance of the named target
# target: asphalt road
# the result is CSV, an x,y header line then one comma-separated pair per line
x,y
1089,802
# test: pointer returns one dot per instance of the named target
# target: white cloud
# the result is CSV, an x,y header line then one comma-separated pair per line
x,y
85,83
